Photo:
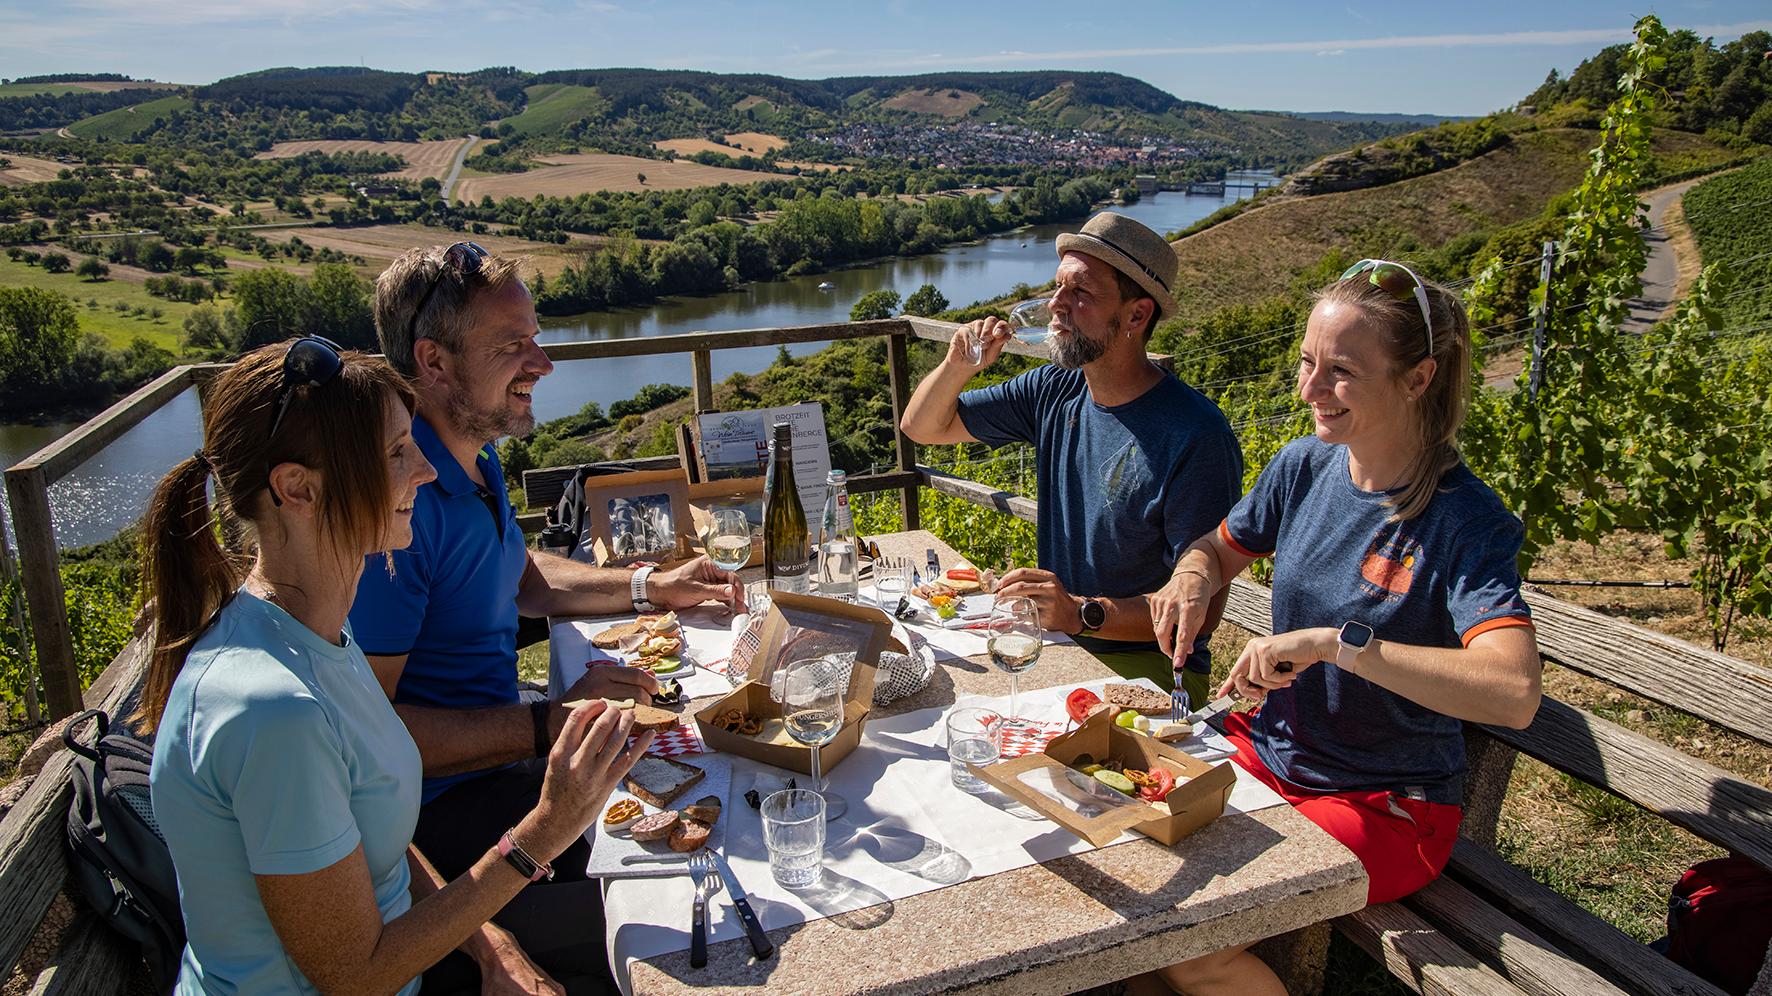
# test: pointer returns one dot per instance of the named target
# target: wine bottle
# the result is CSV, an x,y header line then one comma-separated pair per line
x,y
789,564
836,541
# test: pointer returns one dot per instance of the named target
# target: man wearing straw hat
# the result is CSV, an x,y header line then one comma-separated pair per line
x,y
1133,465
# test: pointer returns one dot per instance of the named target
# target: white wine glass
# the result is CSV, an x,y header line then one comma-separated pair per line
x,y
812,709
727,539
1015,640
1031,321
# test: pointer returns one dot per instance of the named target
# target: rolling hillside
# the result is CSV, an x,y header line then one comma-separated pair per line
x,y
125,123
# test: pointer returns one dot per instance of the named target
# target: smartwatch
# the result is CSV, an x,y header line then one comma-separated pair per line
x,y
1353,638
1093,615
637,590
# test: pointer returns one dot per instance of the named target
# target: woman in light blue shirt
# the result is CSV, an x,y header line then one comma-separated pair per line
x,y
286,786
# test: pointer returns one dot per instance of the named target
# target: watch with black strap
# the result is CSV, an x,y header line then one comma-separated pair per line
x,y
1093,615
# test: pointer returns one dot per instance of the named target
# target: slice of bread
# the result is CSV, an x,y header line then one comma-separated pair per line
x,y
1138,698
657,780
646,717
611,638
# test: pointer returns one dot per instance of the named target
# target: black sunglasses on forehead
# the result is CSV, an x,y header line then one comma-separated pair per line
x,y
462,257
311,361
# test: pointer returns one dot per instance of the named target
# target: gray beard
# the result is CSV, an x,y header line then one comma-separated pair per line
x,y
1073,352
480,423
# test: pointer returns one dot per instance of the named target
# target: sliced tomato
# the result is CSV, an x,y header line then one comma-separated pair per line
x,y
963,573
1162,782
1079,702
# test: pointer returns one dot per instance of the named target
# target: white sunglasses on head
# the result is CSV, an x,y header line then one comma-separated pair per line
x,y
1389,277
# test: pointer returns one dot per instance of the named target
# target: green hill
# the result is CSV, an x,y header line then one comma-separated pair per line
x,y
551,107
1731,217
125,123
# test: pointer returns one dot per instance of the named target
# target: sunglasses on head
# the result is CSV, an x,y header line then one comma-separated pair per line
x,y
464,258
311,361
1399,282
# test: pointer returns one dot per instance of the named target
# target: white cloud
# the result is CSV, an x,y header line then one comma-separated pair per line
x,y
1334,51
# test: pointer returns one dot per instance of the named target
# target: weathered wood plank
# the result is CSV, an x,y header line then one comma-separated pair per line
x,y
1422,958
27,488
94,961
1597,944
702,379
1521,955
1712,803
103,429
898,363
1250,606
689,342
1489,770
979,494
33,860
1732,693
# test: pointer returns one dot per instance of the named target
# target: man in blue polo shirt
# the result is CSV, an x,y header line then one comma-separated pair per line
x,y
1132,464
439,620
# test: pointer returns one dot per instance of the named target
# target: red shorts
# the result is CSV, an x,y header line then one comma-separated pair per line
x,y
1404,843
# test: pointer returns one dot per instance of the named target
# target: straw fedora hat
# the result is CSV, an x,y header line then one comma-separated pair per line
x,y
1132,249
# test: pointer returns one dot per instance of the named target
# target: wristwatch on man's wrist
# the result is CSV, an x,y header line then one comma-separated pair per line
x,y
1353,638
637,588
1092,614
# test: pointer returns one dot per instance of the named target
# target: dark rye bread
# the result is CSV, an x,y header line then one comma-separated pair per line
x,y
657,780
1137,698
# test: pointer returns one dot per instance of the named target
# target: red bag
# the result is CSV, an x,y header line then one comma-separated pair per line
x,y
1719,921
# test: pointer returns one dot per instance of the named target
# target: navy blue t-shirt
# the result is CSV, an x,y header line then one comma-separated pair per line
x,y
1437,580
1122,489
451,604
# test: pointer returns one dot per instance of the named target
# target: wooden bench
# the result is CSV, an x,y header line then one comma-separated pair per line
x,y
1487,927
76,954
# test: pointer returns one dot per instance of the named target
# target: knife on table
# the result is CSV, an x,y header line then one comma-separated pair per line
x,y
1211,709
759,940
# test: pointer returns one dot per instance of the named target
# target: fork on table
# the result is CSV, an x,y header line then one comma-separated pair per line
x,y
706,884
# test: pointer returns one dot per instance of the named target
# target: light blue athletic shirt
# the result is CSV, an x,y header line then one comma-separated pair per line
x,y
278,754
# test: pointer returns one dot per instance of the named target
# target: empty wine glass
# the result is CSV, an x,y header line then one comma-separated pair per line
x,y
1015,640
1031,321
812,708
727,539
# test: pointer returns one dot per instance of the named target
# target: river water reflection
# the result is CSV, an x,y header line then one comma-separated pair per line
x,y
112,489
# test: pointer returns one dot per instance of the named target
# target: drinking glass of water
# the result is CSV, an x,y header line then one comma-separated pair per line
x,y
812,707
727,540
1015,640
1031,321
793,832
975,736
891,582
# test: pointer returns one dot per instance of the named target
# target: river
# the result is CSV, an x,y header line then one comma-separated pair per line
x,y
111,490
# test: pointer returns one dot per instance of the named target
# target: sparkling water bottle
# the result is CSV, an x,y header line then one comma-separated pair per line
x,y
836,541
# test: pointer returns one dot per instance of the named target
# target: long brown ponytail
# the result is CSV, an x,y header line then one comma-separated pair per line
x,y
1440,410
335,428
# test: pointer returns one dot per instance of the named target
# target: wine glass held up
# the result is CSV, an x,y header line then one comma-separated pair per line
x,y
1031,321
812,709
727,539
1015,641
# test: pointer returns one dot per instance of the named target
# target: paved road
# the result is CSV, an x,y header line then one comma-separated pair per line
x,y
455,167
1661,274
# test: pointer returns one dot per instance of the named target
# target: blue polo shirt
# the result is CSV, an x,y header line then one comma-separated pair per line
x,y
450,603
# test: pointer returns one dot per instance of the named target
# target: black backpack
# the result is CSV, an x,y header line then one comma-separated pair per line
x,y
117,855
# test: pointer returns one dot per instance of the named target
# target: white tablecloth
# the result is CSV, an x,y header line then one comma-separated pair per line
x,y
908,831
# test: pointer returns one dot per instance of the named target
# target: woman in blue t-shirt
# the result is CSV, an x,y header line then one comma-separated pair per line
x,y
1396,604
286,786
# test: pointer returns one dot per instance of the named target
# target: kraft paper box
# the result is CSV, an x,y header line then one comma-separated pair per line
x,y
642,515
1199,797
799,627
743,493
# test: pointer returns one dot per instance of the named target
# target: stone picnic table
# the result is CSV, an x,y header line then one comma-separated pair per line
x,y
1057,927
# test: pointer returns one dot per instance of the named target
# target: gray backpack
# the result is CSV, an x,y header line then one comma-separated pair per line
x,y
117,856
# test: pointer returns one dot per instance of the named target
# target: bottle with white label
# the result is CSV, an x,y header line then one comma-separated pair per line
x,y
836,541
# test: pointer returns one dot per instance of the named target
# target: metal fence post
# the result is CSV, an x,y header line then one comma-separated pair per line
x,y
1536,380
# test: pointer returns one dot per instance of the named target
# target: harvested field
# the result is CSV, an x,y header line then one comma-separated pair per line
x,y
947,103
690,146
381,244
25,169
821,167
422,158
756,142
564,176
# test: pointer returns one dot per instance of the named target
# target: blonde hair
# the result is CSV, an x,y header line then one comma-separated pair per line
x,y
1440,410
448,314
186,572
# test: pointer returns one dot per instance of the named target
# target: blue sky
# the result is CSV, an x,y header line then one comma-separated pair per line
x,y
1418,57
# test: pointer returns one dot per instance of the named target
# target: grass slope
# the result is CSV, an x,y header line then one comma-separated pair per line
x,y
1261,251
116,327
1731,216
553,106
124,123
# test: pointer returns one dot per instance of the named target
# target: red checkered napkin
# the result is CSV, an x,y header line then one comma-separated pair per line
x,y
1030,739
680,739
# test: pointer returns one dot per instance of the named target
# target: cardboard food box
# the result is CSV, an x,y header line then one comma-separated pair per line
x,y
1199,797
745,494
799,627
653,510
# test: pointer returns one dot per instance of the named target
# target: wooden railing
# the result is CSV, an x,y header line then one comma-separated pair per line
x,y
28,482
